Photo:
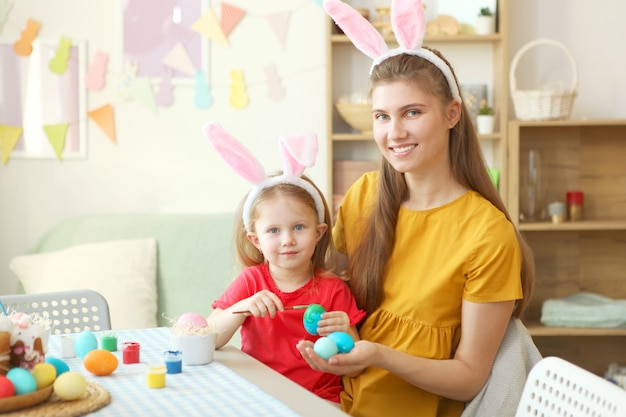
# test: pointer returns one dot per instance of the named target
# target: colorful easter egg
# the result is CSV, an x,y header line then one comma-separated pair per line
x,y
312,315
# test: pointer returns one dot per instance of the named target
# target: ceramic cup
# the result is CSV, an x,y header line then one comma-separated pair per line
x,y
197,349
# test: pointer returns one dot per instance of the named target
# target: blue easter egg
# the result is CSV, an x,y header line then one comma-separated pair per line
x,y
325,347
23,381
344,341
58,364
312,315
85,342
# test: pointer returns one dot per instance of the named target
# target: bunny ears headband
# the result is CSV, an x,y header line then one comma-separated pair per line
x,y
296,151
407,21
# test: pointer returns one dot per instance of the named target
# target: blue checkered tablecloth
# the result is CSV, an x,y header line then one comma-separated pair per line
x,y
207,390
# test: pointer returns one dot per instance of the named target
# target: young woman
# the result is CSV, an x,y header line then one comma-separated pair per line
x,y
286,250
433,256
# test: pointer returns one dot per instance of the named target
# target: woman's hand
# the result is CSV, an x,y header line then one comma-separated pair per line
x,y
333,321
360,357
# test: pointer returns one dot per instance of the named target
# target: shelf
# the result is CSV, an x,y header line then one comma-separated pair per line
x,y
496,37
584,225
368,136
537,329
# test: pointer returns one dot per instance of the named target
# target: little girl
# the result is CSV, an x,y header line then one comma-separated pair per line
x,y
286,250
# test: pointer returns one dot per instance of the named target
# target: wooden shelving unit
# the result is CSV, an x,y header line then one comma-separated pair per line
x,y
347,73
581,256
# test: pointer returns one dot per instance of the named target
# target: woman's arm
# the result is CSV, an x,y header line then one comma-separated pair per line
x,y
459,378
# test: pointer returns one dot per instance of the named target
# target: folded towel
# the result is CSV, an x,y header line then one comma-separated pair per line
x,y
584,309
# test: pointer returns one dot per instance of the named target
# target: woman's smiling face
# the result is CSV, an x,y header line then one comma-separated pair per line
x,y
411,127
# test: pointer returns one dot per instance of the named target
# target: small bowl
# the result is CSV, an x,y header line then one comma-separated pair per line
x,y
357,115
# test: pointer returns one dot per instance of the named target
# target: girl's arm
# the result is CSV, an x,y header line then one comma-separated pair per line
x,y
227,322
459,378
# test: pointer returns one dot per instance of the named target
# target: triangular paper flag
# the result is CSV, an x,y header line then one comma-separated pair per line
x,y
208,26
9,135
279,23
179,59
141,90
231,15
103,116
56,136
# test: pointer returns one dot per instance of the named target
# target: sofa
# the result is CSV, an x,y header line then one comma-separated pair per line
x,y
185,261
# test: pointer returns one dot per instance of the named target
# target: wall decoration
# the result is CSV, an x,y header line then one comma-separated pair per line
x,y
153,30
48,107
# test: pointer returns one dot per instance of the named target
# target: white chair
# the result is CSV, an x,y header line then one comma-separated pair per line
x,y
69,311
558,388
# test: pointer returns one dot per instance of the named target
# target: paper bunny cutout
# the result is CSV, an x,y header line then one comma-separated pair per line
x,y
297,152
407,21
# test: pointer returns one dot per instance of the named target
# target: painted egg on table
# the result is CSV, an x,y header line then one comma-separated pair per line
x,y
44,373
312,315
23,381
59,365
85,342
343,340
191,321
100,362
7,389
70,386
325,347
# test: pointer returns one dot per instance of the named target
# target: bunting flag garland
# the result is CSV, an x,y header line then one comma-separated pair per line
x,y
208,26
56,136
9,135
231,15
103,116
156,90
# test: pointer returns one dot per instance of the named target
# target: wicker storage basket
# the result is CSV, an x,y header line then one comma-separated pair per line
x,y
544,104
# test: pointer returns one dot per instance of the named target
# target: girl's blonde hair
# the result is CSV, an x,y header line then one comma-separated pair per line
x,y
368,263
248,255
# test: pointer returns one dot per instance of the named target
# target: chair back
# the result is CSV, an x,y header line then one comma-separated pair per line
x,y
556,387
68,311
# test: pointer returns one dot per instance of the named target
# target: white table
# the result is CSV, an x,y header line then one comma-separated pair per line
x,y
234,384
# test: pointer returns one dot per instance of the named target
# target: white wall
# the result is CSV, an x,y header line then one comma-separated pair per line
x,y
161,163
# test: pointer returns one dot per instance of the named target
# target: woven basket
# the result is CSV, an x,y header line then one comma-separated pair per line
x,y
544,104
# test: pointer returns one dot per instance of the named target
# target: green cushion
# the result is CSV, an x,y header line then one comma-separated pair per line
x,y
195,253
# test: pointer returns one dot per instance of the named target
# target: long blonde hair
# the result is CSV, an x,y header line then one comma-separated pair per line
x,y
323,259
368,263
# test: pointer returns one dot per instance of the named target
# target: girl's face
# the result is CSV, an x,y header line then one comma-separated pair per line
x,y
411,127
286,231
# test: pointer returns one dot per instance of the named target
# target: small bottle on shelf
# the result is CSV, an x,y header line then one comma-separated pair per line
x,y
575,201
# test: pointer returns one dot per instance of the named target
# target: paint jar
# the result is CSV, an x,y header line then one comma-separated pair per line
x,y
173,361
109,342
67,347
575,202
155,376
557,211
130,352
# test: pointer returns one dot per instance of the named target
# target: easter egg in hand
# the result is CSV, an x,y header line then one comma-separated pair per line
x,y
343,340
325,347
191,321
312,315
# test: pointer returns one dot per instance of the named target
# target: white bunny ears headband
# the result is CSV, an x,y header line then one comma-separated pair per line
x,y
297,152
407,21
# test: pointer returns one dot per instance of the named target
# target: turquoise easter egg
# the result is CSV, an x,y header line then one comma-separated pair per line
x,y
325,347
312,315
344,341
58,364
85,342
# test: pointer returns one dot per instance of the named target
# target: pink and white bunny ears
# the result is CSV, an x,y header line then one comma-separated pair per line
x,y
297,152
407,21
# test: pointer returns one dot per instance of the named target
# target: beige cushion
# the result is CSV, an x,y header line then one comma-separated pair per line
x,y
123,271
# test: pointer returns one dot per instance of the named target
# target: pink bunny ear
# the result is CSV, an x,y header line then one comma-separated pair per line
x,y
361,32
407,20
234,153
298,152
